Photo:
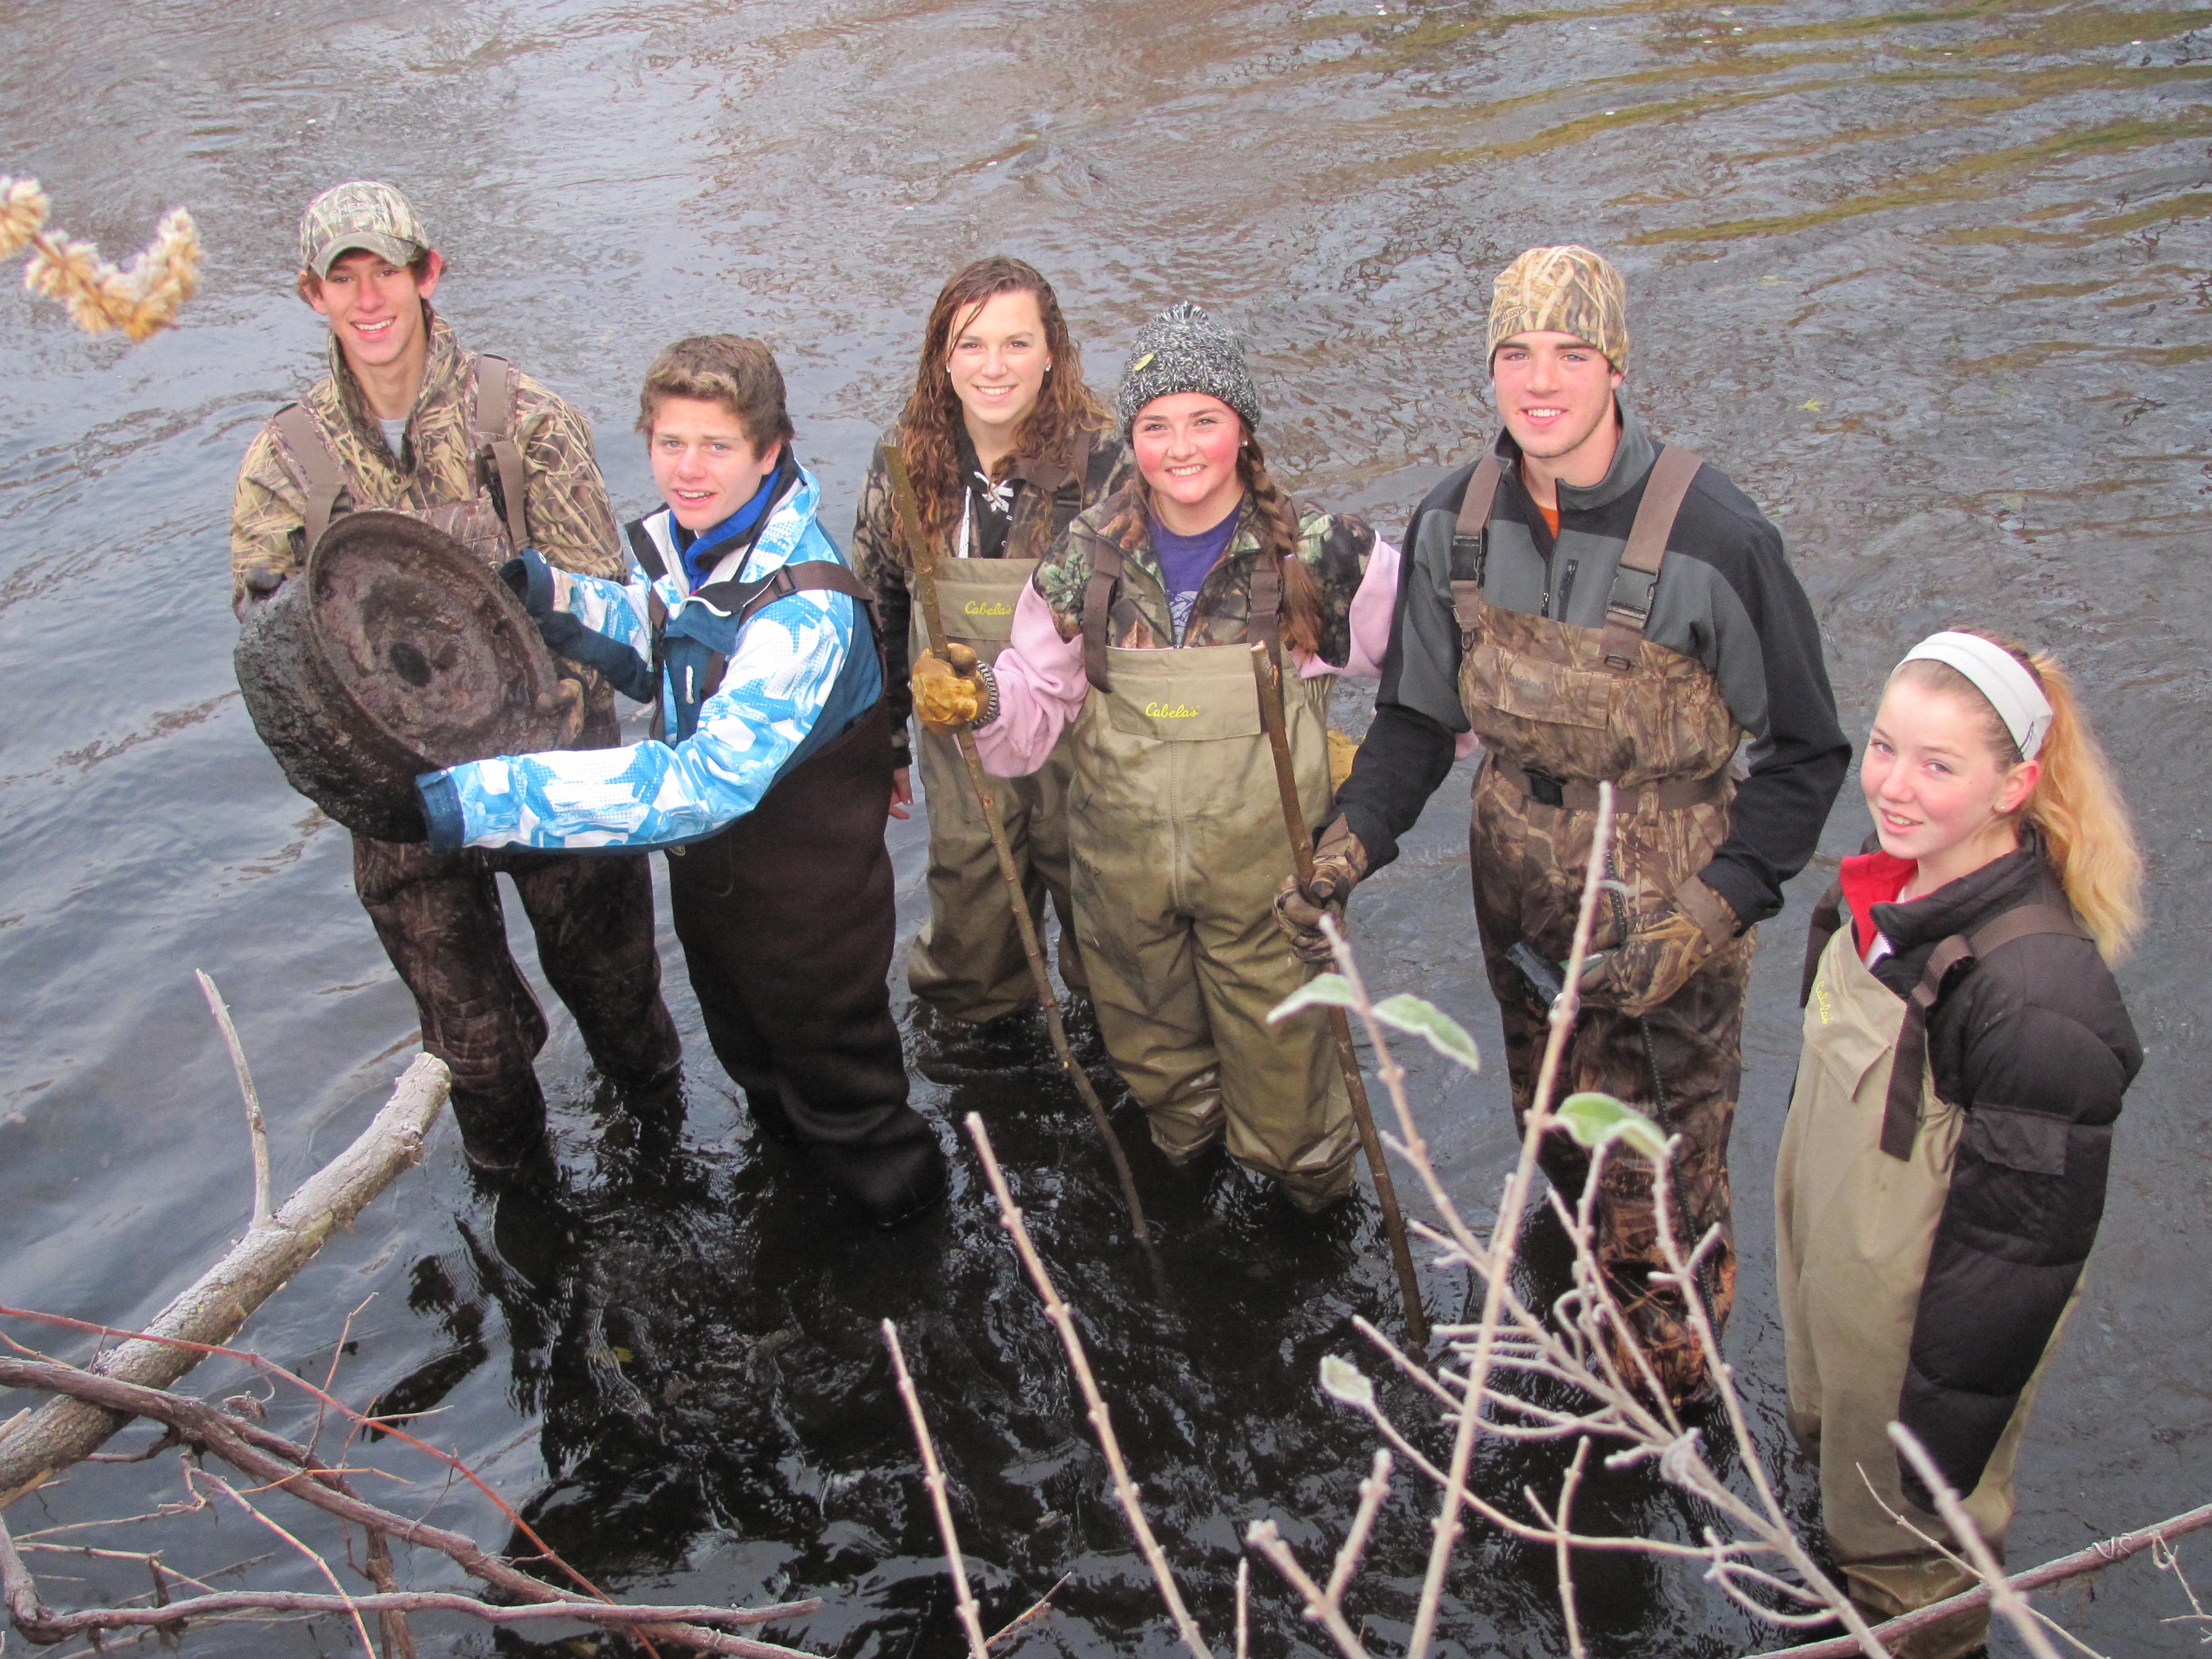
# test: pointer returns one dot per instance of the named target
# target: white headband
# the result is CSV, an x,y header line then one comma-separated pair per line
x,y
1998,676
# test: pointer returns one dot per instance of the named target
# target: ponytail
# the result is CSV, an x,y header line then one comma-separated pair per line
x,y
2076,806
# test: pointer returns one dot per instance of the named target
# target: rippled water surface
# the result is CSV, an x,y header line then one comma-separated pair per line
x,y
1931,283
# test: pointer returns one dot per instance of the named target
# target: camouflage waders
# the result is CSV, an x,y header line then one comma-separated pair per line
x,y
967,962
1178,846
1558,708
498,462
1853,1229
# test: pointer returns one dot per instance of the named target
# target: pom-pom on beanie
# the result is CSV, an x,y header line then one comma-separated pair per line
x,y
1183,350
1569,289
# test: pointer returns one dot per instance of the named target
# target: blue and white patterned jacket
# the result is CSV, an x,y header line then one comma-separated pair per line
x,y
795,680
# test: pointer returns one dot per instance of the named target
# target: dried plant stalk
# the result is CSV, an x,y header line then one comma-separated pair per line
x,y
1101,1423
932,1477
141,299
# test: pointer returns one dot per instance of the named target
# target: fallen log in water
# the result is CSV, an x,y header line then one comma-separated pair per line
x,y
37,1445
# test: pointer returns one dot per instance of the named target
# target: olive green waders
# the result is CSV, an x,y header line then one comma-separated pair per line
x,y
1853,1229
1559,707
967,961
1178,846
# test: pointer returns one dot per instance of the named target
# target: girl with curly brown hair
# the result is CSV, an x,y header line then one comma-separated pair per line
x,y
1006,445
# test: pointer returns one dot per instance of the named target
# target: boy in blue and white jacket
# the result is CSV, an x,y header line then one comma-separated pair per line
x,y
766,779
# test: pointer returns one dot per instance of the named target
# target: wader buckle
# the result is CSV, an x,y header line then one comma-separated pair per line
x,y
1544,789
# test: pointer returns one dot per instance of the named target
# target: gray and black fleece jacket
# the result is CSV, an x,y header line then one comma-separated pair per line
x,y
1726,596
2034,1042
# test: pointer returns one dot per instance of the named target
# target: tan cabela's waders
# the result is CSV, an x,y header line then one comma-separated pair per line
x,y
967,960
1854,1225
1177,848
1559,707
438,915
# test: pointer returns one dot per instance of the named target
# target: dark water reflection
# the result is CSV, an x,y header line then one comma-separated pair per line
x,y
1931,283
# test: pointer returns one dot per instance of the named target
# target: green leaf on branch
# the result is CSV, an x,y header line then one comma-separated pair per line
x,y
1427,1021
1594,1119
1324,990
1342,1380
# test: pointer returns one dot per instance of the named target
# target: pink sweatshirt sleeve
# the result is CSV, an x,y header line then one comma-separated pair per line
x,y
1042,686
1370,620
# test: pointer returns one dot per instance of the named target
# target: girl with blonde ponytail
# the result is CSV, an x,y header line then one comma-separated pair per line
x,y
1943,1172
1136,637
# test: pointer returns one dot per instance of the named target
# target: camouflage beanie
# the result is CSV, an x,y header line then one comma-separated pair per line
x,y
1183,350
1569,289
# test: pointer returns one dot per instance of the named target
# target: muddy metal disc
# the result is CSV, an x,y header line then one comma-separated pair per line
x,y
395,652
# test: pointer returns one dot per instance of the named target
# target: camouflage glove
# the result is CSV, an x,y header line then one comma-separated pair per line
x,y
1339,862
567,698
953,692
1652,963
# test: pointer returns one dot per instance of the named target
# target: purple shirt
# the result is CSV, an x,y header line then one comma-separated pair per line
x,y
1184,560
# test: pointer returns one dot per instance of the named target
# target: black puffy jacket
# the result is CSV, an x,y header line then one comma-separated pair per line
x,y
2033,1041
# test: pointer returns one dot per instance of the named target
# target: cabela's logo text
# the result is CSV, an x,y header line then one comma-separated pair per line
x,y
1160,711
987,608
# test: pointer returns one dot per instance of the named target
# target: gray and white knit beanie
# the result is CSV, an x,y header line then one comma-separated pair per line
x,y
1183,350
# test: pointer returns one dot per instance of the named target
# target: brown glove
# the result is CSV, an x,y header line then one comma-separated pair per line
x,y
1657,960
953,691
1339,862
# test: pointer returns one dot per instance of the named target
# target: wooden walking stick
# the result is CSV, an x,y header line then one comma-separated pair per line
x,y
925,575
1267,677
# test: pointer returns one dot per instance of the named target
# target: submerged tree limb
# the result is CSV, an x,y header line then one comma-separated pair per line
x,y
63,1431
274,1461
2108,1552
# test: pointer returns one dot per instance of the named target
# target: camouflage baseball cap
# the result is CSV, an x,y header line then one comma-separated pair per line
x,y
1569,289
360,214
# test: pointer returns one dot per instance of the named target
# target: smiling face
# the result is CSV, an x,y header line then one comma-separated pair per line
x,y
705,464
997,359
374,309
1939,792
1555,394
1186,446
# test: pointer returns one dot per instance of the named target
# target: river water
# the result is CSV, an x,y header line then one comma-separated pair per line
x,y
1932,284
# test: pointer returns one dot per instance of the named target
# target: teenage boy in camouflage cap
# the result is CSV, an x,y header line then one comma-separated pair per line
x,y
1593,604
406,419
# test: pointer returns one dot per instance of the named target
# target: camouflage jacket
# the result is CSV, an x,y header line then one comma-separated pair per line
x,y
1041,518
1334,548
566,507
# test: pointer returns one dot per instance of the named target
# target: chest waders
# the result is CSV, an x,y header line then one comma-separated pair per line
x,y
1176,847
1859,1186
787,918
438,916
1558,708
967,962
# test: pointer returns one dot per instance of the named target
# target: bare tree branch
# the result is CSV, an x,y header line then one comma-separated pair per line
x,y
256,1127
1101,1423
933,1478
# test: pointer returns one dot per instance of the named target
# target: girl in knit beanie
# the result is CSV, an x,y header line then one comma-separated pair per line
x,y
1139,632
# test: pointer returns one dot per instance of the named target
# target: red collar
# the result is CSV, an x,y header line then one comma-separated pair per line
x,y
1869,879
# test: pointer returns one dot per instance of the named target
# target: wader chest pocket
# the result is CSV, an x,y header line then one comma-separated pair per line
x,y
1526,687
977,599
1199,710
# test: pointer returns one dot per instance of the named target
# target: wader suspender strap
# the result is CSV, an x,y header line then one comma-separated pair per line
x,y
1051,478
1827,918
646,550
1628,607
1472,525
746,600
320,475
1900,1115
1264,609
1098,608
494,436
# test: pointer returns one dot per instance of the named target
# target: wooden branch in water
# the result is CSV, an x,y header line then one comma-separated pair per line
x,y
257,1127
1102,1424
33,1449
274,1461
932,1477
